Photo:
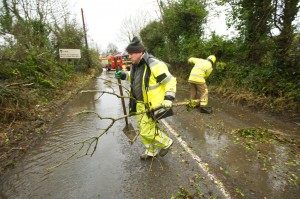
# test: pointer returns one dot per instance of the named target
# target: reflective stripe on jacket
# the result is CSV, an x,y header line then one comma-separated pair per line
x,y
201,70
157,83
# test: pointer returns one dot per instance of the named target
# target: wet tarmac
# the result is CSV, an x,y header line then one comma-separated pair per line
x,y
245,170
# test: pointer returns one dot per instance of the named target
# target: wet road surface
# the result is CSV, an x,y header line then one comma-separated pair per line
x,y
218,166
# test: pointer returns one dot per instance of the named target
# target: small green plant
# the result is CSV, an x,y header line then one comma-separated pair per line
x,y
7,141
192,104
238,191
255,134
293,179
47,83
224,170
18,137
292,163
183,194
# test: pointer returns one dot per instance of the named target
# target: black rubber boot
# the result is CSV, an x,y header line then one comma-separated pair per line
x,y
164,152
207,110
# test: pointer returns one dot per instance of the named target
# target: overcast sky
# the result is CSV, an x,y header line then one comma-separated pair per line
x,y
104,18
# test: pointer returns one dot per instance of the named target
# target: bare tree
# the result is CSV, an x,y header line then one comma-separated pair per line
x,y
111,48
132,25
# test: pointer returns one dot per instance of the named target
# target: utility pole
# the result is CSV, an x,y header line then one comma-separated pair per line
x,y
98,51
86,43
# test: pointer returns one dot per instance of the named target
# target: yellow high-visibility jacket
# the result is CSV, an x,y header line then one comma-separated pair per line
x,y
158,83
201,70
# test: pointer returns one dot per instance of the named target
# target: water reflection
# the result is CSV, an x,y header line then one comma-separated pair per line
x,y
78,177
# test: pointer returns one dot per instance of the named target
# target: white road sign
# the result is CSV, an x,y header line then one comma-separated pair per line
x,y
69,53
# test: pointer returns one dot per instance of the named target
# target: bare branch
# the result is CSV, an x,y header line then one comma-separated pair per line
x,y
92,142
132,25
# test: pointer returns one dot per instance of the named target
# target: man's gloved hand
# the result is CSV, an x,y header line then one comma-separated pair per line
x,y
166,104
118,74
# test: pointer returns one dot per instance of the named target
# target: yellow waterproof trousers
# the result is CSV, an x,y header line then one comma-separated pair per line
x,y
199,91
150,135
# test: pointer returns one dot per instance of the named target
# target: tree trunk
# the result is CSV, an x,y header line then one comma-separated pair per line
x,y
285,39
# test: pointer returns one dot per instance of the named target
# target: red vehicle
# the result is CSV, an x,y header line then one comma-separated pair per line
x,y
109,63
122,62
126,62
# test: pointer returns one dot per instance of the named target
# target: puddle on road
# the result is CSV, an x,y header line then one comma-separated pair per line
x,y
268,170
249,168
78,177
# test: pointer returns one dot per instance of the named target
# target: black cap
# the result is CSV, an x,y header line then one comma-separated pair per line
x,y
135,46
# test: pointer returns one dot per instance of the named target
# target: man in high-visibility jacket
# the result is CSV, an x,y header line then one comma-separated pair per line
x,y
201,70
152,85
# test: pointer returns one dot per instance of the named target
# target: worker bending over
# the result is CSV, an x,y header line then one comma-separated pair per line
x,y
201,70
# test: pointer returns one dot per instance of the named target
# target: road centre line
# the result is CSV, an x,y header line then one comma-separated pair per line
x,y
201,164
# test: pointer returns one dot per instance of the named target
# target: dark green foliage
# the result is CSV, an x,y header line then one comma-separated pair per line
x,y
153,38
29,57
256,61
5,17
68,35
179,31
286,13
184,18
256,134
32,52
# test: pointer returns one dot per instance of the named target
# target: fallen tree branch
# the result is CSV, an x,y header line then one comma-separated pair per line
x,y
92,142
